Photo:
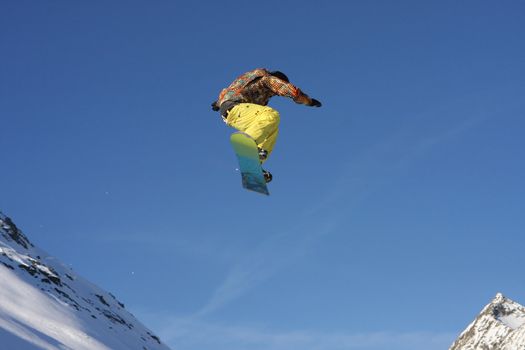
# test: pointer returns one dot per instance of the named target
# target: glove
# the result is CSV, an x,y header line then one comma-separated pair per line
x,y
214,106
315,103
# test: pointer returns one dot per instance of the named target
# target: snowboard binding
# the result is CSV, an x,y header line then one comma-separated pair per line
x,y
267,176
263,154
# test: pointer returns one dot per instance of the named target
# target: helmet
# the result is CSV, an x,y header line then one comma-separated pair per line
x,y
280,75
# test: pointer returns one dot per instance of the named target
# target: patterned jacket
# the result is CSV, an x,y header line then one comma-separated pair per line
x,y
258,86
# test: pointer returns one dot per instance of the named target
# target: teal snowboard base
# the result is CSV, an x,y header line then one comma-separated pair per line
x,y
249,165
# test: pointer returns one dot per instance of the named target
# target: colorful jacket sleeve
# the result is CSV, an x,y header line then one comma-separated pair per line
x,y
282,88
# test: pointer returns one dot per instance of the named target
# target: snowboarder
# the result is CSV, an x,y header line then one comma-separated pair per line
x,y
243,106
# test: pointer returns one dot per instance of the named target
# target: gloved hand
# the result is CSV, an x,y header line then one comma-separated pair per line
x,y
214,106
315,103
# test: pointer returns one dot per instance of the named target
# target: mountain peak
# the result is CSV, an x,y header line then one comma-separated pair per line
x,y
499,298
508,312
10,232
499,326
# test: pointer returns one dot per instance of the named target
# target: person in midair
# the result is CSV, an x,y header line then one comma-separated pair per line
x,y
243,106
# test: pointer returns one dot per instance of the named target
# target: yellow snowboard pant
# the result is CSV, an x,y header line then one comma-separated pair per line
x,y
260,122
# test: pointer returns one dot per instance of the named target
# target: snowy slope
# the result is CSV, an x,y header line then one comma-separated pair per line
x,y
45,305
499,326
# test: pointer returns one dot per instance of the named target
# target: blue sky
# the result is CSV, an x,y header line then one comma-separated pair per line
x,y
396,211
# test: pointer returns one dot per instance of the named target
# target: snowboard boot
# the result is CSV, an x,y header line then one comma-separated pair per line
x,y
263,154
267,176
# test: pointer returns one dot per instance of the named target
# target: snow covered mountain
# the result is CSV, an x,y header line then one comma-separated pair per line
x,y
45,305
499,326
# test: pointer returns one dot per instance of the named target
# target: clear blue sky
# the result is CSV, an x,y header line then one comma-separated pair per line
x,y
396,211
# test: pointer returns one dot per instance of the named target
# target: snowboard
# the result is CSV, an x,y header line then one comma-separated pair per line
x,y
249,164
